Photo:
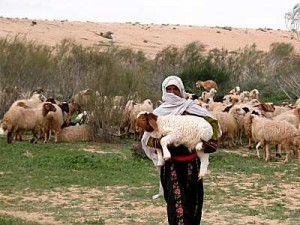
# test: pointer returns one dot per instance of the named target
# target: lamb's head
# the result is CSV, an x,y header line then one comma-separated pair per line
x,y
146,122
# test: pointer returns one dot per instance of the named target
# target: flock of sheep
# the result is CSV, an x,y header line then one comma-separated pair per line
x,y
42,117
240,114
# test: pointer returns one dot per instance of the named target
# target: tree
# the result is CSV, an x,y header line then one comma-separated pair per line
x,y
292,20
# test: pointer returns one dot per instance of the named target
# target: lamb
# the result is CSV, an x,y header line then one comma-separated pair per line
x,y
207,85
178,130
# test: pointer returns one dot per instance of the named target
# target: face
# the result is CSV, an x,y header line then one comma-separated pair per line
x,y
173,89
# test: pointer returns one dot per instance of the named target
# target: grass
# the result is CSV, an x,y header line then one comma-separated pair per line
x,y
98,183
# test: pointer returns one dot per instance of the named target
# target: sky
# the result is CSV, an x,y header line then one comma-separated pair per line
x,y
234,13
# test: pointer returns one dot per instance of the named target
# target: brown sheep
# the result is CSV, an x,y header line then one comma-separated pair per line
x,y
22,118
207,85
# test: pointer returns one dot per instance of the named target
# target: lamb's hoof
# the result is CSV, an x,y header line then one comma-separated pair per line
x,y
160,164
278,155
166,158
156,196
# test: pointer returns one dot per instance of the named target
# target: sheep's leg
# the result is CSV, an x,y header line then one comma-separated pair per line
x,y
34,137
257,150
9,137
278,150
268,154
288,153
249,143
46,136
164,142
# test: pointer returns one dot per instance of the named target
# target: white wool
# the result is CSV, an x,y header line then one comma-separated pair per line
x,y
181,130
187,130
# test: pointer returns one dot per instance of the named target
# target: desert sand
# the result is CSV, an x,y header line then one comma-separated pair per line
x,y
151,38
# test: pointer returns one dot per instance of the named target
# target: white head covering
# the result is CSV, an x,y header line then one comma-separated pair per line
x,y
174,105
172,80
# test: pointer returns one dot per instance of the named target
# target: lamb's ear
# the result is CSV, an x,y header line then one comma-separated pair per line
x,y
152,121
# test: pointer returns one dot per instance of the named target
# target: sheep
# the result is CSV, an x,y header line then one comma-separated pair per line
x,y
208,95
266,131
207,85
178,130
235,91
228,125
74,133
22,118
32,102
53,121
131,111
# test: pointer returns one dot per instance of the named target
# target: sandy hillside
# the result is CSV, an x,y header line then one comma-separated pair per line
x,y
150,38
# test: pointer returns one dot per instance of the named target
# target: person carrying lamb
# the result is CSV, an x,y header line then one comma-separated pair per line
x,y
182,190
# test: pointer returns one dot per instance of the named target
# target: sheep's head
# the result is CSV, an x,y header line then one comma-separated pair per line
x,y
199,83
146,122
48,107
64,107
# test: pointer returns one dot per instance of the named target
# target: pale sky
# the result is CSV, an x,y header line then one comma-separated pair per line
x,y
234,13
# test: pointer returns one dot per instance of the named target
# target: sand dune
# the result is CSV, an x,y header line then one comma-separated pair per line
x,y
150,38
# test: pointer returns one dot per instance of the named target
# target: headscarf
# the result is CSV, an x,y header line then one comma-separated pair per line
x,y
174,105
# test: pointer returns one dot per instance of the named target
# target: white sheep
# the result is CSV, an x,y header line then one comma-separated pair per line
x,y
178,130
266,131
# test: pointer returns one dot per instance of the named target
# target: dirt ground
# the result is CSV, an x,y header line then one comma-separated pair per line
x,y
111,205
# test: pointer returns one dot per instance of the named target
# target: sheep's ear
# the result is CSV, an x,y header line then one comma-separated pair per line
x,y
152,121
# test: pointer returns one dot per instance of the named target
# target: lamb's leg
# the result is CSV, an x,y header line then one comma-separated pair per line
x,y
160,160
204,160
204,163
164,142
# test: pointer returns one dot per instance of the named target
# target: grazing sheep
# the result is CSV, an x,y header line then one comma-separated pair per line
x,y
266,132
22,118
177,130
207,85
